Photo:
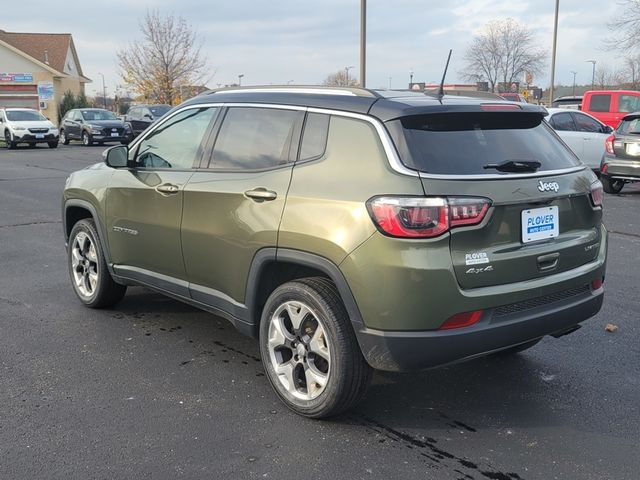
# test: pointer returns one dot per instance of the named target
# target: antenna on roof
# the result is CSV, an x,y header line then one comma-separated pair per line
x,y
446,67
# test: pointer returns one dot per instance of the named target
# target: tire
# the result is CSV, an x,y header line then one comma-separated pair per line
x,y
322,348
7,140
87,141
52,144
63,138
611,186
88,270
517,349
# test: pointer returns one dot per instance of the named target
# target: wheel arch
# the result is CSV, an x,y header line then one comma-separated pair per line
x,y
272,267
75,210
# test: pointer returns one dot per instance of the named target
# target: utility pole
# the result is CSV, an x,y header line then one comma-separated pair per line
x,y
574,83
363,43
104,92
346,71
593,74
240,79
410,78
553,54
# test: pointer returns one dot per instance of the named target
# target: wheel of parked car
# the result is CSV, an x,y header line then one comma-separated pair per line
x,y
63,138
90,276
52,144
86,139
7,140
309,349
611,186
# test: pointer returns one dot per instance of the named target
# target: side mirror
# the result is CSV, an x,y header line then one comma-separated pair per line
x,y
608,129
148,117
116,157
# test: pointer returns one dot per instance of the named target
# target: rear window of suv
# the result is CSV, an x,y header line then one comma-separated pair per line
x,y
464,143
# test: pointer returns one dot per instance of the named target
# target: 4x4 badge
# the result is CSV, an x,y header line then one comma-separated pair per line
x,y
548,186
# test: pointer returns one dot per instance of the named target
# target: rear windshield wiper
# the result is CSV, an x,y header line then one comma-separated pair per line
x,y
515,166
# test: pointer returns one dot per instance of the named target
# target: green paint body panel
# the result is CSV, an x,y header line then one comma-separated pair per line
x,y
222,229
134,205
326,210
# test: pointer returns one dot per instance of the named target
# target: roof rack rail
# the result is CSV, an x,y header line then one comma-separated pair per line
x,y
305,89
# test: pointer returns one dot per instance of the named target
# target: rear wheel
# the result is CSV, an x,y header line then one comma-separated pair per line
x,y
611,186
87,141
309,349
90,276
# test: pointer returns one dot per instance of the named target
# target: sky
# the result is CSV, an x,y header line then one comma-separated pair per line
x,y
301,42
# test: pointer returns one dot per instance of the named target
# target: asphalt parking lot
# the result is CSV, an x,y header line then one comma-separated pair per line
x,y
157,389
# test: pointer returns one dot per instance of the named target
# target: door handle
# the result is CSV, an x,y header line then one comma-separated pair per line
x,y
548,262
167,188
261,194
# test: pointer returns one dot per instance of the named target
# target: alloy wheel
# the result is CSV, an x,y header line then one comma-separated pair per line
x,y
84,265
299,350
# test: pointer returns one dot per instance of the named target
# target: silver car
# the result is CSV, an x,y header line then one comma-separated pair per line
x,y
584,134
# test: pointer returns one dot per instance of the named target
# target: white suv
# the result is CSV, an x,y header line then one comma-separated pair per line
x,y
24,125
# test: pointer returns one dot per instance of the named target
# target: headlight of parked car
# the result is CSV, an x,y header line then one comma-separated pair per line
x,y
18,128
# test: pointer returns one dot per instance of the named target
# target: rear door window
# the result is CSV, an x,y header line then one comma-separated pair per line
x,y
314,138
628,103
466,143
600,103
563,122
255,138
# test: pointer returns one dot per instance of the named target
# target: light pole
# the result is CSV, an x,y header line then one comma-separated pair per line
x,y
104,91
410,78
390,83
553,54
346,70
574,83
363,43
240,79
289,82
593,73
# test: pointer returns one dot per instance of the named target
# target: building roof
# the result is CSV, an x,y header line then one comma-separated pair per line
x,y
56,46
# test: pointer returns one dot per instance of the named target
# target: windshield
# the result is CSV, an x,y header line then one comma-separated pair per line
x,y
467,143
160,110
98,115
25,116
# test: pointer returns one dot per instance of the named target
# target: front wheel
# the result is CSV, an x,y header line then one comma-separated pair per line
x,y
611,186
52,144
63,137
87,141
7,140
309,349
90,276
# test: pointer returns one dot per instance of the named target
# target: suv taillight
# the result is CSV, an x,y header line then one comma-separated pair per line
x,y
425,217
608,144
596,194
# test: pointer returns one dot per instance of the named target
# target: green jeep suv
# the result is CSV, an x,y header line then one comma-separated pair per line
x,y
347,229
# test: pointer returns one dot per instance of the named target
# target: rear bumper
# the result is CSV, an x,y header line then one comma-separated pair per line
x,y
407,351
620,169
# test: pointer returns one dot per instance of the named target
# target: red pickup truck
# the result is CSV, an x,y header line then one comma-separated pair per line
x,y
609,106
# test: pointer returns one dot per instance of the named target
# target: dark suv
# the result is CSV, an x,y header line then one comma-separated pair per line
x,y
93,125
347,229
139,117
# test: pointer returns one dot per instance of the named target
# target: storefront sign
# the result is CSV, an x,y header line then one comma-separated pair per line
x,y
16,77
45,91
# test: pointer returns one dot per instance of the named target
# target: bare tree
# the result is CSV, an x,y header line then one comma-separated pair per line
x,y
605,78
503,52
626,27
340,78
166,58
631,71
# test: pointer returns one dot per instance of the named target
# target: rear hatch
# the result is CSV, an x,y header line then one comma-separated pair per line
x,y
626,144
542,218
